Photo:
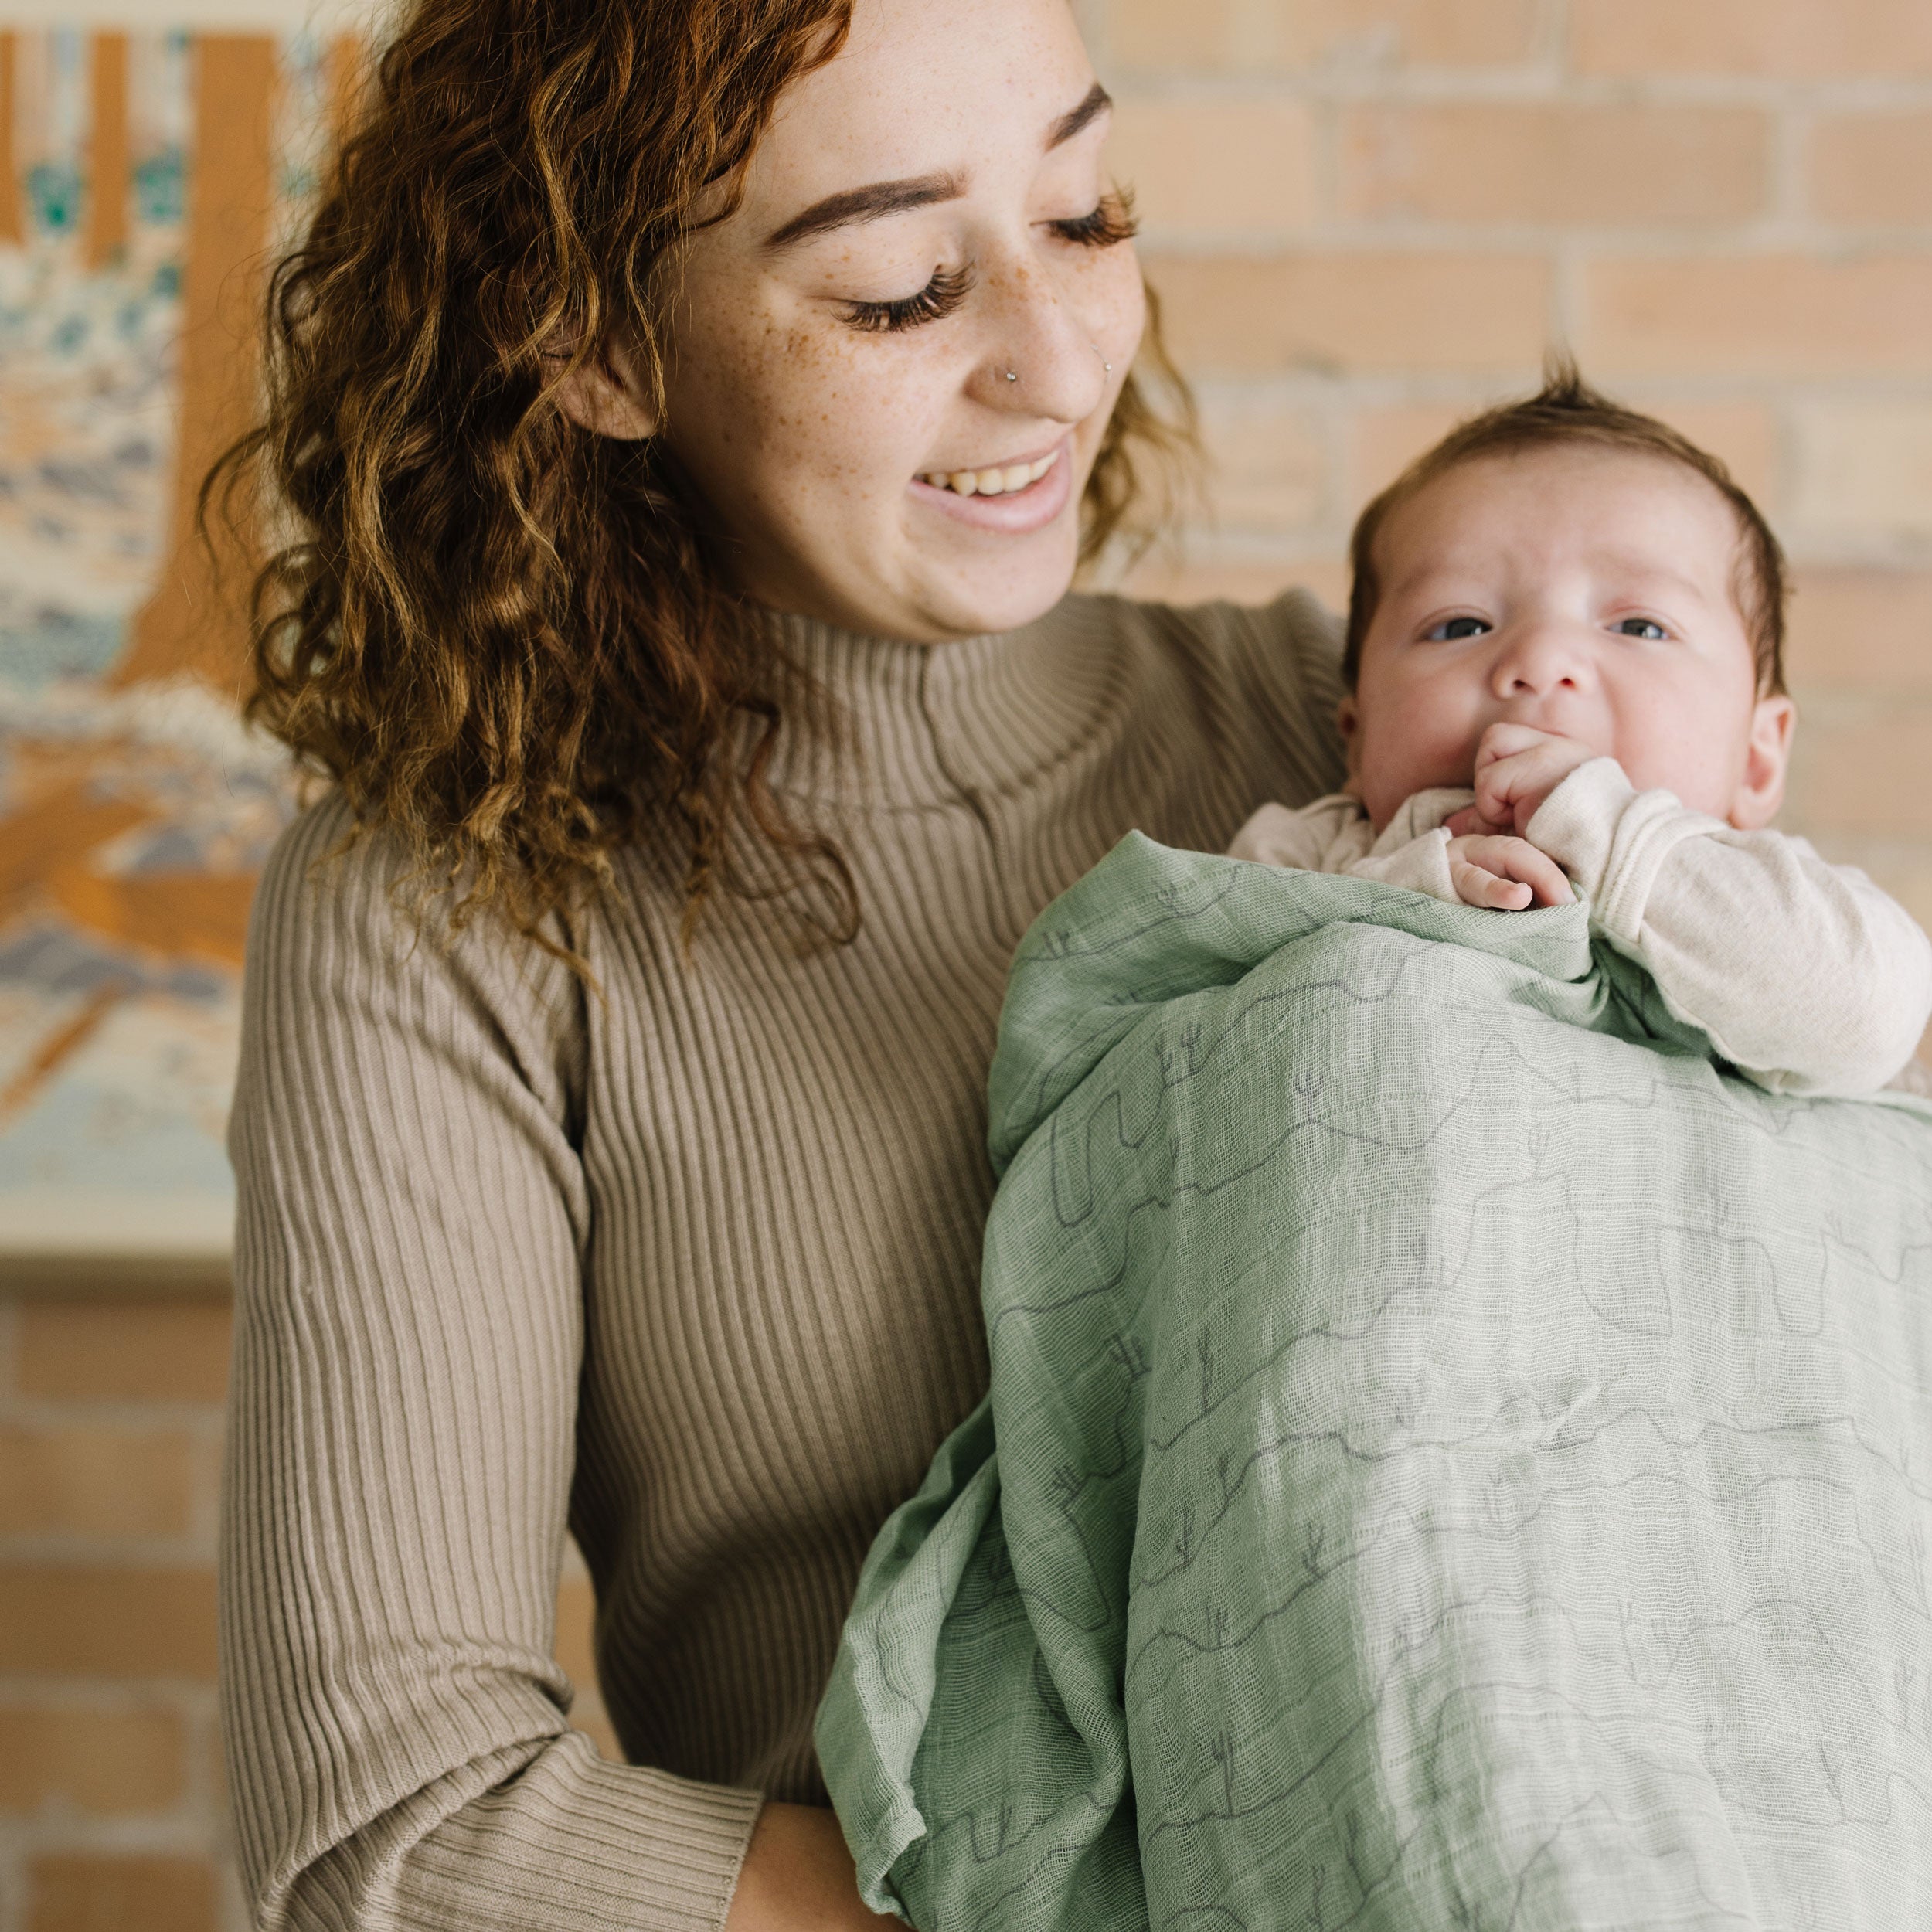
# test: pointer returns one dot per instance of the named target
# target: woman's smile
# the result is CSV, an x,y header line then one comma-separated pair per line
x,y
994,479
1014,499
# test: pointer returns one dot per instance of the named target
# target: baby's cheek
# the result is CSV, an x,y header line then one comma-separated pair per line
x,y
1690,750
1416,747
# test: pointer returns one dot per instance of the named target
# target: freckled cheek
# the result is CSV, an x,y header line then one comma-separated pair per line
x,y
1122,319
833,411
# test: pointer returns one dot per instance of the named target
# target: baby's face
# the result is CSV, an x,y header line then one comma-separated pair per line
x,y
1584,591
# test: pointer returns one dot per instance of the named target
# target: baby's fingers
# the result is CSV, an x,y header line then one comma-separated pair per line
x,y
1537,877
1476,887
1470,819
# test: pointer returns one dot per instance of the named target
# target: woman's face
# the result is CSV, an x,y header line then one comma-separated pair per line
x,y
927,212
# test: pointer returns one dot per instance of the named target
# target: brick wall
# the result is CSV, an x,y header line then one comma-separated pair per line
x,y
112,1813
1368,217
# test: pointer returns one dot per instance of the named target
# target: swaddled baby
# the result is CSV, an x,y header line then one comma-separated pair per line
x,y
1448,1457
1571,608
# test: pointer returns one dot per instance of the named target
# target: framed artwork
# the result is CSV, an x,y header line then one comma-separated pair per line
x,y
145,179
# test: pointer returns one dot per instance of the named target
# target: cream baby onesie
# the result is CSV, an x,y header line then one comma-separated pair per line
x,y
1804,975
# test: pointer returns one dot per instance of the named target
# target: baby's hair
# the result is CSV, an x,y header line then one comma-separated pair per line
x,y
1567,410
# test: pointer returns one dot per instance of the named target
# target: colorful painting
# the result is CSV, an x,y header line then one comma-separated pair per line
x,y
144,182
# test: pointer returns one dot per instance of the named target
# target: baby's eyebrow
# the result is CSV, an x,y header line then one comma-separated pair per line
x,y
1647,570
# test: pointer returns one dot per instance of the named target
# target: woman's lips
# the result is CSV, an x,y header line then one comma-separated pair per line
x,y
1012,512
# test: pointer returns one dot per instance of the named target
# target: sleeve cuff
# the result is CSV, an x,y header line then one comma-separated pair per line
x,y
1420,866
1576,824
578,1842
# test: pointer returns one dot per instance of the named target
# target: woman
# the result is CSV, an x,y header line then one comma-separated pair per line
x,y
691,413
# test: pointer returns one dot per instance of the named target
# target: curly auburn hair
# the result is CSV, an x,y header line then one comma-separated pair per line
x,y
503,637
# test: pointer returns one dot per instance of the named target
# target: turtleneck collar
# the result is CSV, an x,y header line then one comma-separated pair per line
x,y
917,724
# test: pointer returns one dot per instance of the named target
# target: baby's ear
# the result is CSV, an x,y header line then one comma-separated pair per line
x,y
1767,757
608,396
1349,721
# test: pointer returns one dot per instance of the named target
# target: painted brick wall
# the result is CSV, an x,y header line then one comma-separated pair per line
x,y
1367,217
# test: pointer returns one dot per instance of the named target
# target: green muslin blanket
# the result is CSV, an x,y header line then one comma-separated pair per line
x,y
1456,1458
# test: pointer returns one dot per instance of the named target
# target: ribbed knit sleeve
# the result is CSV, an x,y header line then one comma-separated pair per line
x,y
689,1263
410,1324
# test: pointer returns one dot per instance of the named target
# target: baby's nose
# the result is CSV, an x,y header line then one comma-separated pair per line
x,y
1538,659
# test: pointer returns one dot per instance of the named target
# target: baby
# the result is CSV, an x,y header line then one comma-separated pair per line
x,y
1574,609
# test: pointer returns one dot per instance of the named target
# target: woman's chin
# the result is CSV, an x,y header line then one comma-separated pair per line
x,y
968,597
950,585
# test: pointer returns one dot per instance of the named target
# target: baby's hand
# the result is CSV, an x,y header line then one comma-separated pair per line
x,y
1517,768
1507,873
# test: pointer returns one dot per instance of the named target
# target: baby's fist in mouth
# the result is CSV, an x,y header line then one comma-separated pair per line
x,y
1518,766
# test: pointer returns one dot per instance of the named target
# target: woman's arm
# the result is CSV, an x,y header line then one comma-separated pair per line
x,y
799,1877
402,1417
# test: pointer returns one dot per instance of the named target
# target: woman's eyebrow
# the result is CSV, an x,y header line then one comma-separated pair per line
x,y
881,198
1097,102
866,204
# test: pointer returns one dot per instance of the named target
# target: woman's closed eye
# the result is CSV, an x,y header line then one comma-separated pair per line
x,y
938,299
1111,223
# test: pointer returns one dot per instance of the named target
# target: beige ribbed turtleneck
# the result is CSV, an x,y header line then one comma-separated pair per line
x,y
692,1266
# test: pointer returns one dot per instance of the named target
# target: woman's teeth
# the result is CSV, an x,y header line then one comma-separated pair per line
x,y
991,482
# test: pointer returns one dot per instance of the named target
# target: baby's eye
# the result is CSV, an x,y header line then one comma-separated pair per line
x,y
1450,629
1646,628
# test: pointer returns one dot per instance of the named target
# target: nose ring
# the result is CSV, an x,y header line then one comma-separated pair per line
x,y
1013,376
1104,363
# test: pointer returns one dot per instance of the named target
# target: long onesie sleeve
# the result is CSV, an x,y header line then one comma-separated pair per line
x,y
1804,975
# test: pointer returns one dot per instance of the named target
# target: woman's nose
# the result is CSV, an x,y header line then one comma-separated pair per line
x,y
1039,359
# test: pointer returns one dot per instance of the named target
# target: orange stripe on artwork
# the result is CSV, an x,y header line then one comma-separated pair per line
x,y
57,1049
194,622
54,833
186,915
108,161
12,229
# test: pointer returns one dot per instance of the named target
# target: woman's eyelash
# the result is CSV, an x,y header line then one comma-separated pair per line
x,y
933,303
1110,223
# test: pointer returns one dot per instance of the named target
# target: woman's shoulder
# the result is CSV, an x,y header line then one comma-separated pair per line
x,y
1290,648
1274,669
346,919
331,880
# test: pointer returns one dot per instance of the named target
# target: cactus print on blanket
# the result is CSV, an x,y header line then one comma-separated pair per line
x,y
1456,1456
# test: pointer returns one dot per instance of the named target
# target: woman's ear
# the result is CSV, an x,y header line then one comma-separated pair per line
x,y
1767,757
606,396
